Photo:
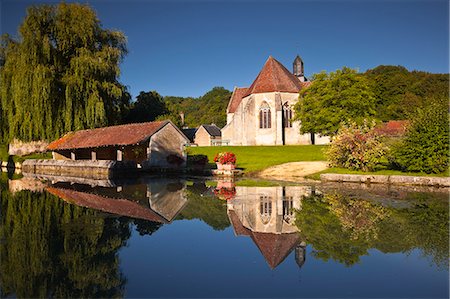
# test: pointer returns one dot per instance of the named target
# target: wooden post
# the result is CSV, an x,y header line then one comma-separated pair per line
x,y
119,155
72,156
93,156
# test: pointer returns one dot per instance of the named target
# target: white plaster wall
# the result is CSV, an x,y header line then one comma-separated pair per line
x,y
247,202
243,125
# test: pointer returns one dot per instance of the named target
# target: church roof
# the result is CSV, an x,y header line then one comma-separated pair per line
x,y
306,84
274,77
275,247
236,98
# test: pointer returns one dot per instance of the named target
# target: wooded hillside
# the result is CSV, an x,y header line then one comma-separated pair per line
x,y
399,92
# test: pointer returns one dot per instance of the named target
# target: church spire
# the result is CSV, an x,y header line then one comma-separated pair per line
x,y
298,69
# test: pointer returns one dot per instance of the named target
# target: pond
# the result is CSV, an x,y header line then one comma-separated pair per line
x,y
193,237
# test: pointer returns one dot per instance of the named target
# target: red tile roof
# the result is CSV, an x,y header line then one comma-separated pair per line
x,y
275,247
236,98
306,84
392,128
239,229
121,207
116,135
274,77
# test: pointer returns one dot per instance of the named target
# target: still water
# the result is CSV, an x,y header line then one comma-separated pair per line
x,y
191,237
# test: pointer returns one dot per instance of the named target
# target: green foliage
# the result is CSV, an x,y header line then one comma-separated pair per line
x,y
4,155
426,145
399,92
206,208
339,96
357,148
207,109
255,158
344,229
61,75
53,249
172,117
148,106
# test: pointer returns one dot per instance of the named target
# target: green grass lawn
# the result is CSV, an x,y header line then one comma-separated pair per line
x,y
316,176
255,158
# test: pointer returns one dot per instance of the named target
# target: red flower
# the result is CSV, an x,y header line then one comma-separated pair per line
x,y
225,158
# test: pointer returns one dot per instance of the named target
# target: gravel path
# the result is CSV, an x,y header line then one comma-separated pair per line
x,y
294,171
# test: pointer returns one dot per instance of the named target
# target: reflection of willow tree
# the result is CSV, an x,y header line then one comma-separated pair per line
x,y
206,208
51,248
344,229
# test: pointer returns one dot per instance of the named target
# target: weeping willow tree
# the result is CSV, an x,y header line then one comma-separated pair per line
x,y
61,75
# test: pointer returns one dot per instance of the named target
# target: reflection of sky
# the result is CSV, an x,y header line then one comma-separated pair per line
x,y
190,259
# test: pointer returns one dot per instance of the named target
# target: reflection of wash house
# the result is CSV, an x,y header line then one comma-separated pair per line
x,y
262,113
266,214
158,200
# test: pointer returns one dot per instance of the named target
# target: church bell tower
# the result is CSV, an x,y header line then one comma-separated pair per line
x,y
298,69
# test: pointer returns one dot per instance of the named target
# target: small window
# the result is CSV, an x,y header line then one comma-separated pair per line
x,y
265,118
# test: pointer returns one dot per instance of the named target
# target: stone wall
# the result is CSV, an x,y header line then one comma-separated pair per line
x,y
100,169
167,141
387,179
202,138
20,148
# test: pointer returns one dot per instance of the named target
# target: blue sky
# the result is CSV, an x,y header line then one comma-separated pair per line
x,y
185,48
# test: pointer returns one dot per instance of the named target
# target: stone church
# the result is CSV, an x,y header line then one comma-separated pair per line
x,y
262,113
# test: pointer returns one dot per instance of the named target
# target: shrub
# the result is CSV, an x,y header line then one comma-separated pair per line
x,y
197,160
425,147
357,147
175,159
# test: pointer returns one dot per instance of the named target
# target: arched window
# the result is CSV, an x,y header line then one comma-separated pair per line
x,y
287,116
265,208
265,118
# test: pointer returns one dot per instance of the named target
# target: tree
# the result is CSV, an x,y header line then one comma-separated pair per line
x,y
425,147
399,92
332,98
207,109
62,74
148,106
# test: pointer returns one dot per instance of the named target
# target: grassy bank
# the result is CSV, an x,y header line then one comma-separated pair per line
x,y
255,158
316,176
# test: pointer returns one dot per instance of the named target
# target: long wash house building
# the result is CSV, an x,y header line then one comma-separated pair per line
x,y
262,113
150,144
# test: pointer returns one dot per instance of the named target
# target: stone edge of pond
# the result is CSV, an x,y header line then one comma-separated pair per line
x,y
387,179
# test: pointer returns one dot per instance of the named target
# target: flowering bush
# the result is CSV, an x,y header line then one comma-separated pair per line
x,y
225,193
357,147
225,158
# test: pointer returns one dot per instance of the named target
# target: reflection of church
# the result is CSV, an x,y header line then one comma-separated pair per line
x,y
267,216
